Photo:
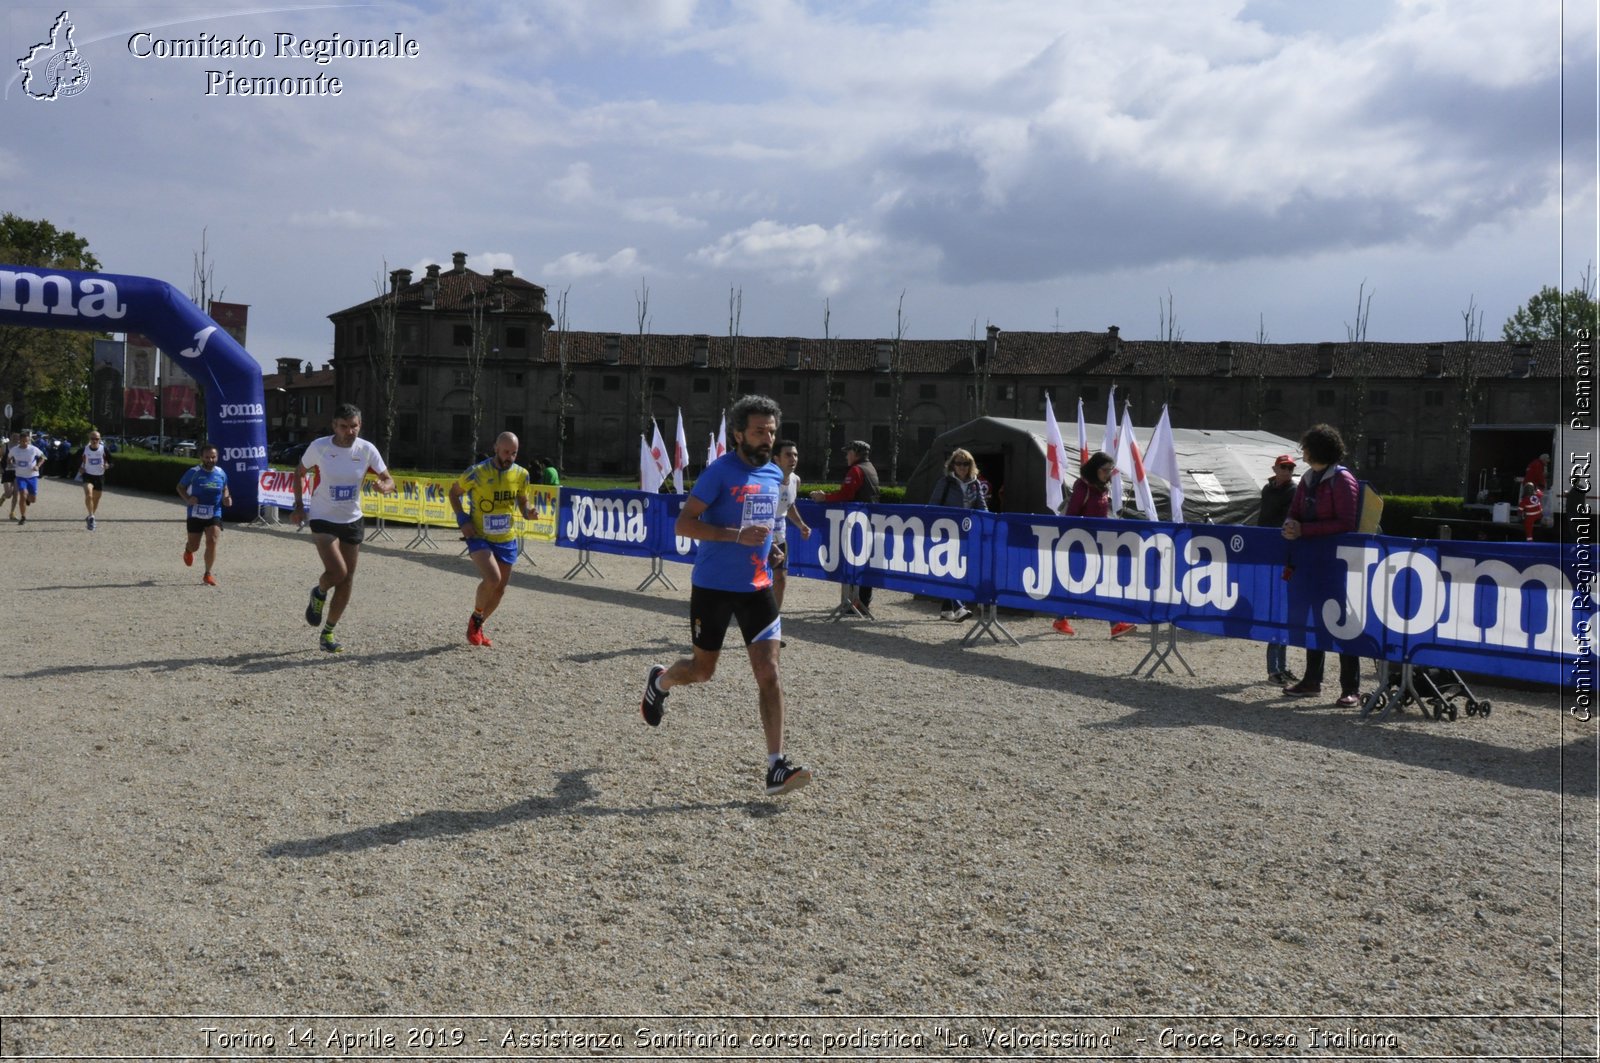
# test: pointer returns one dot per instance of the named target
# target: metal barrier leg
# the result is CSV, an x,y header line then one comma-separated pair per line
x,y
1160,650
847,605
585,565
658,574
986,621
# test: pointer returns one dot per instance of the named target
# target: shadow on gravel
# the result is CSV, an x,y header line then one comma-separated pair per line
x,y
573,797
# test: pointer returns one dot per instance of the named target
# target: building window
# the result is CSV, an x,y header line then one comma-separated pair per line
x,y
881,389
791,387
461,335
405,426
516,336
408,376
1326,397
880,441
514,423
317,404
460,428
928,391
462,377
515,379
360,333
702,385
1379,398
1089,395
1273,397
750,386
1377,451
836,389
1006,392
1433,397
926,434
611,382
406,333
658,383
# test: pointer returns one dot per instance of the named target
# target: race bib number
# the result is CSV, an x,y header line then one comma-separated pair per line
x,y
342,492
761,510
497,523
205,512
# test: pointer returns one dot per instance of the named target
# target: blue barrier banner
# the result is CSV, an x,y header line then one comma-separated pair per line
x,y
39,297
1522,610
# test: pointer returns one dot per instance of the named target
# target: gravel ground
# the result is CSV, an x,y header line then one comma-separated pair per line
x,y
207,817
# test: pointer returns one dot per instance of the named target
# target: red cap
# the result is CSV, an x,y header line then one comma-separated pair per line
x,y
1283,459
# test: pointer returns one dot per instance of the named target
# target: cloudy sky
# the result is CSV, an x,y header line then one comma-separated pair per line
x,y
1035,164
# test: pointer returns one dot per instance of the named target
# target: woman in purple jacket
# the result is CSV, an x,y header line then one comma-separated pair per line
x,y
1327,502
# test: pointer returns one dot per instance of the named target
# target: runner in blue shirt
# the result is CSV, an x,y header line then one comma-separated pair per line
x,y
731,511
204,489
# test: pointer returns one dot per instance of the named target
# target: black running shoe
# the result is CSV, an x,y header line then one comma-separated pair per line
x,y
654,701
784,776
314,609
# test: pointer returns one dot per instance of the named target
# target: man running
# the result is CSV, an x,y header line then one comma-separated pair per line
x,y
786,456
8,477
494,486
731,511
337,464
92,466
26,461
204,489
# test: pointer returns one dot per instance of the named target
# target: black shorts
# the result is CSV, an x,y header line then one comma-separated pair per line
x,y
196,525
351,533
711,609
98,482
8,477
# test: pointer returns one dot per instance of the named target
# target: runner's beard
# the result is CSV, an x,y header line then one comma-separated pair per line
x,y
758,455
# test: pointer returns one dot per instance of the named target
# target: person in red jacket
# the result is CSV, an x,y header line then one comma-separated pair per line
x,y
1532,506
1537,473
1091,497
860,485
1326,502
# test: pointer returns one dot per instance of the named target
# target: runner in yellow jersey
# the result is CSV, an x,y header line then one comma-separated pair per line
x,y
497,487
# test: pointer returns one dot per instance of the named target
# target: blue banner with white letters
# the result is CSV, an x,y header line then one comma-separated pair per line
x,y
1522,610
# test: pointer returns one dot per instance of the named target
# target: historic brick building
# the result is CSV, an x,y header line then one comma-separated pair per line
x,y
1402,406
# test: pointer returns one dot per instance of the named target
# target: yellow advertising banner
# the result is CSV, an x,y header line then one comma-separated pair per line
x,y
426,500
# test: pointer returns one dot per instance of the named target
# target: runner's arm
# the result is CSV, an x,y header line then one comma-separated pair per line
x,y
690,526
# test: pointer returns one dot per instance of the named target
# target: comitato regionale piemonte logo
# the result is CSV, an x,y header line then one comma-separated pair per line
x,y
54,68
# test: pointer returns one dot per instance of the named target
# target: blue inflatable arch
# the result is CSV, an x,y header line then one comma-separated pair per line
x,y
109,302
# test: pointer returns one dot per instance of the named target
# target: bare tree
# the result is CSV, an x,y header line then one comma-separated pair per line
x,y
1170,336
641,299
1468,389
735,313
1356,437
897,377
1258,396
830,364
982,367
202,289
563,378
382,353
477,355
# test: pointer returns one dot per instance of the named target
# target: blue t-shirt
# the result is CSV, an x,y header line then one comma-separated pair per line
x,y
736,495
208,488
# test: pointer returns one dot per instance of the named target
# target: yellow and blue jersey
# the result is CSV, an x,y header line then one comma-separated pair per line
x,y
493,493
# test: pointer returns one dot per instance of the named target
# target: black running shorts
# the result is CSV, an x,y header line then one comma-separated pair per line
x,y
710,610
351,533
97,482
196,525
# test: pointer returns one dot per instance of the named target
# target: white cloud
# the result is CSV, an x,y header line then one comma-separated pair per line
x,y
827,255
575,264
333,218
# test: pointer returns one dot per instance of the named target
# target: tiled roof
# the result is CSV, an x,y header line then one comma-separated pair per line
x,y
1074,353
461,290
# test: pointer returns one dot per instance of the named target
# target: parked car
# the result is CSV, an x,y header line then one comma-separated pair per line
x,y
184,448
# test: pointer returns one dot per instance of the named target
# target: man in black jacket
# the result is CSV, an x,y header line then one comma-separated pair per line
x,y
1276,495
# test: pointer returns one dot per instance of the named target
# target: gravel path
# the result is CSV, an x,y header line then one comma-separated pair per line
x,y
205,816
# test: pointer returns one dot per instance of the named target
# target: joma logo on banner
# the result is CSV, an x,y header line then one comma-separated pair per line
x,y
893,543
27,293
1204,581
611,519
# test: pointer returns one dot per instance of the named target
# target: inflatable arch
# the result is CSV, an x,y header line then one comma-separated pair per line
x,y
236,421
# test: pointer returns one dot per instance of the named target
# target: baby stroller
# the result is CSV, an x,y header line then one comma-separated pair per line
x,y
1440,692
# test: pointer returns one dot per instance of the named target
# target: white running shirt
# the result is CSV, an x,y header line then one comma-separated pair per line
x,y
26,459
788,494
336,475
94,461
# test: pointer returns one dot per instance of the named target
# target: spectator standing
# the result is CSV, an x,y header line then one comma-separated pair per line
x,y
1327,502
1538,473
861,486
1091,497
959,488
1277,494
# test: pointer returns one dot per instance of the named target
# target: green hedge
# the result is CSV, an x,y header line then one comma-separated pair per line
x,y
1417,516
145,470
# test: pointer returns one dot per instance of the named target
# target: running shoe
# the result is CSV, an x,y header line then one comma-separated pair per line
x,y
475,633
784,776
961,614
93,524
330,644
319,598
188,557
209,580
1064,626
1119,630
88,522
654,702
21,521
947,614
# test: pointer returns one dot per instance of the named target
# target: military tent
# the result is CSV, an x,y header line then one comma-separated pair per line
x,y
1222,470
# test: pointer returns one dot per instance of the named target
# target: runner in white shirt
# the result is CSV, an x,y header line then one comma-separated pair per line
x,y
337,464
26,461
786,456
92,466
